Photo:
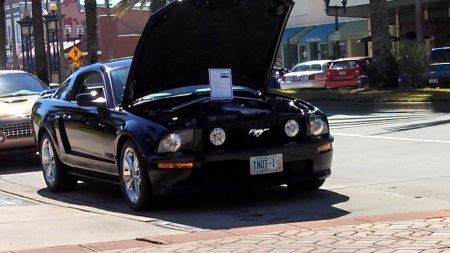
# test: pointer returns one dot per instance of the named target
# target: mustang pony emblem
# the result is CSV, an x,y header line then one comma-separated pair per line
x,y
257,132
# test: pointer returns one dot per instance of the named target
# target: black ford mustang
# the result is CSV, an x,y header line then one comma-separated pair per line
x,y
191,111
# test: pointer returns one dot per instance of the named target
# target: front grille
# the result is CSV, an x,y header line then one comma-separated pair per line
x,y
17,130
239,136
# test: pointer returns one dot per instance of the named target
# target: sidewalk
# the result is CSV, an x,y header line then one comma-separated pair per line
x,y
403,232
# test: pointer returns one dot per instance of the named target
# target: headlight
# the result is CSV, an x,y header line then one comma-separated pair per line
x,y
171,142
291,128
217,136
318,126
174,142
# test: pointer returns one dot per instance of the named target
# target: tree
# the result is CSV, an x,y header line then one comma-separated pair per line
x,y
3,37
39,42
91,31
123,6
383,70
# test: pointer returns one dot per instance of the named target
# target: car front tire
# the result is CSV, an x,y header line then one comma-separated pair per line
x,y
55,172
134,179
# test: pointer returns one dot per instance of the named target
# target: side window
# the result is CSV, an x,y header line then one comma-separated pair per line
x,y
89,82
62,91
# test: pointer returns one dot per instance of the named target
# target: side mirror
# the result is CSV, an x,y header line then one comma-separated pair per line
x,y
86,99
48,92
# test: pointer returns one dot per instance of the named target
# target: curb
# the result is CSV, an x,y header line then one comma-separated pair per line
x,y
147,242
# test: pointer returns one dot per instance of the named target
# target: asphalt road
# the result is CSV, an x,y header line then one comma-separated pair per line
x,y
384,163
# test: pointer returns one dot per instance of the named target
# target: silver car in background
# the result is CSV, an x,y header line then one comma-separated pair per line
x,y
18,92
307,75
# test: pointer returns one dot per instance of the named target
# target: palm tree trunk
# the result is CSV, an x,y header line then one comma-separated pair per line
x,y
383,70
39,42
2,37
91,31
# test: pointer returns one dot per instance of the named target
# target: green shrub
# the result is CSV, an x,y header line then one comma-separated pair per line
x,y
412,60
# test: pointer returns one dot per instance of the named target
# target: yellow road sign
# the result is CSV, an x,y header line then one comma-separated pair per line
x,y
76,64
75,53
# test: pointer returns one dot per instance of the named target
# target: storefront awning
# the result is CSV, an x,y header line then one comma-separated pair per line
x,y
295,37
352,30
289,32
318,34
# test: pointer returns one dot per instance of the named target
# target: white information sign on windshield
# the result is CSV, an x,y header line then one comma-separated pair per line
x,y
220,83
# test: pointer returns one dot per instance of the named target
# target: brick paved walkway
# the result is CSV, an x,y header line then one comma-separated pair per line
x,y
406,232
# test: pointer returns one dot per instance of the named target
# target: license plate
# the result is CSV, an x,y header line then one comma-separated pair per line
x,y
433,80
342,73
266,164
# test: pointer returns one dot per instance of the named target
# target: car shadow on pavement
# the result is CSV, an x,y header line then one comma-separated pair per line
x,y
13,164
212,211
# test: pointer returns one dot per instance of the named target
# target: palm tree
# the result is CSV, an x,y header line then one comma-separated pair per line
x,y
91,31
39,41
384,69
3,37
123,6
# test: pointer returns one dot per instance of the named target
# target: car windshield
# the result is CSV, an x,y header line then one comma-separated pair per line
x,y
20,84
188,90
344,64
440,56
119,79
306,67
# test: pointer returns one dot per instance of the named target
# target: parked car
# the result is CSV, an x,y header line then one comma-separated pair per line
x,y
306,75
18,92
190,112
438,73
345,72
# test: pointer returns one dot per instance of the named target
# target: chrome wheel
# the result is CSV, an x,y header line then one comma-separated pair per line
x,y
135,179
56,174
131,175
48,161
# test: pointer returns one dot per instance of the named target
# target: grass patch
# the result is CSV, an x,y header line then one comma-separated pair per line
x,y
359,95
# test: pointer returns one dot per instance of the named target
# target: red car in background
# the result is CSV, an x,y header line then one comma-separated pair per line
x,y
344,72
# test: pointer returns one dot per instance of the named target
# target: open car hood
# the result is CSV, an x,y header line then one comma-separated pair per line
x,y
186,38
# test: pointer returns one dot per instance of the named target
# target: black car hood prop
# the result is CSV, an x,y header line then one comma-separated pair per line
x,y
185,38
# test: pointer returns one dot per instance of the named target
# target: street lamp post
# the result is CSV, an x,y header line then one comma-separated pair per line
x,y
336,29
52,40
26,28
68,31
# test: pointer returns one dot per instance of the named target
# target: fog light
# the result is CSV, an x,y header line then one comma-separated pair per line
x,y
2,138
291,128
324,148
217,136
175,165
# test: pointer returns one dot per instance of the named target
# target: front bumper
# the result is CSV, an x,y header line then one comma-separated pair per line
x,y
231,169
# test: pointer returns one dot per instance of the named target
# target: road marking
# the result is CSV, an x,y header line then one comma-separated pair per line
x,y
393,138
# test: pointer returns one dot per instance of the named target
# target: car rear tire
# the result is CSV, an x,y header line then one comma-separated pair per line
x,y
135,179
307,185
55,172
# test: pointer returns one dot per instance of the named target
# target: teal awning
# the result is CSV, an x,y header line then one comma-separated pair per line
x,y
352,30
318,34
294,38
289,32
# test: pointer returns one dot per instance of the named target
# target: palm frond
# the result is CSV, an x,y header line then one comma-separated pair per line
x,y
123,6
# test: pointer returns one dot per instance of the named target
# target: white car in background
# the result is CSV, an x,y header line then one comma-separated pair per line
x,y
307,75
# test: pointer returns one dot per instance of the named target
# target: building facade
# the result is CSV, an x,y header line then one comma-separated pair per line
x,y
312,34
